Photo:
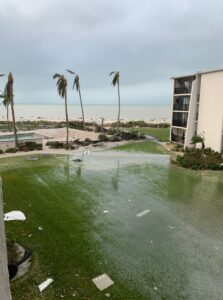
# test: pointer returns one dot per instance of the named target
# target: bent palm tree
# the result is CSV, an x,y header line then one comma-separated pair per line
x,y
115,81
198,139
78,88
62,91
5,102
9,98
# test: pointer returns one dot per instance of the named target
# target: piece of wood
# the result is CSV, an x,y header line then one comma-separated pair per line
x,y
5,292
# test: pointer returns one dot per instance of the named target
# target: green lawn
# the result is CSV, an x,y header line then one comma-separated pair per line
x,y
163,134
174,252
149,147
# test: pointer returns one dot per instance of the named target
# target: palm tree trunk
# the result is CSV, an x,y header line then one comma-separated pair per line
x,y
7,109
118,123
13,122
82,109
66,114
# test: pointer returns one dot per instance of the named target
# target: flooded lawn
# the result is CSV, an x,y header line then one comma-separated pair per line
x,y
88,212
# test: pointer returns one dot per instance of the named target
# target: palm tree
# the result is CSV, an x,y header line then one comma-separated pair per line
x,y
5,102
9,98
78,88
198,139
62,91
115,81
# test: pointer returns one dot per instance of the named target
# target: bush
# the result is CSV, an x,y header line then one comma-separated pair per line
x,y
1,151
10,150
103,137
30,146
60,145
197,160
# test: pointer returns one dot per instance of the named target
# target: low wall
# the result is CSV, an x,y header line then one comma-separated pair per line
x,y
5,293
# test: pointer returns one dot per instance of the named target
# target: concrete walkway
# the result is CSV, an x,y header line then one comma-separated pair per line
x,y
5,293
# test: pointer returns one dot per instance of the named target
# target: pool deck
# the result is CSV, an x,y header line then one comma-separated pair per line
x,y
5,293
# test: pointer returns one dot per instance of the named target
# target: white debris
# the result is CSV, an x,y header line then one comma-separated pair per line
x,y
155,288
107,295
130,200
14,216
105,211
151,242
45,284
30,235
143,213
102,282
171,227
40,228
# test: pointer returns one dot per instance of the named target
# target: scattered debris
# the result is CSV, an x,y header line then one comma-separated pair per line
x,y
77,160
105,211
130,200
45,284
171,227
155,288
40,228
102,282
30,235
151,242
23,261
107,295
143,213
33,158
14,216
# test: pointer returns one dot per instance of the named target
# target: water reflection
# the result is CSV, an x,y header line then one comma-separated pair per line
x,y
115,178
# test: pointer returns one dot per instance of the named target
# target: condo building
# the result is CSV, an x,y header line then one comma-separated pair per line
x,y
197,109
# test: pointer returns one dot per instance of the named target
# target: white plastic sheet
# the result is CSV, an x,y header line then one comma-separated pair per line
x,y
14,216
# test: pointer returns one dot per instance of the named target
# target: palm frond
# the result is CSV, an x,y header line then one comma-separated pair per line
x,y
56,75
1,75
76,83
113,72
71,72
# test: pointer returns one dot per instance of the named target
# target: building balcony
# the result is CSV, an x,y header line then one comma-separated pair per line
x,y
181,107
179,123
182,90
177,139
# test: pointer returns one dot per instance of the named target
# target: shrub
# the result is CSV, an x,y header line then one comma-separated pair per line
x,y
11,150
30,146
103,137
1,151
196,160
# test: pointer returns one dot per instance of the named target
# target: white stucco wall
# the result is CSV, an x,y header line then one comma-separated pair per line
x,y
211,109
191,125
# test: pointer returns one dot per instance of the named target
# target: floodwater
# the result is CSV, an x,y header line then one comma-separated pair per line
x,y
175,251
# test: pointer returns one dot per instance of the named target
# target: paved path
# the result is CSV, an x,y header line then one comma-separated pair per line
x,y
5,293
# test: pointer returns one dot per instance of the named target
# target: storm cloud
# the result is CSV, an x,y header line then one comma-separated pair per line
x,y
148,41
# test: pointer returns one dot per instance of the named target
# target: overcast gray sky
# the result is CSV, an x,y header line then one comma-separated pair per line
x,y
148,41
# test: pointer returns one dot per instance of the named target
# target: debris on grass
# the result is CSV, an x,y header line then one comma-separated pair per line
x,y
102,282
33,158
105,211
40,228
107,295
143,213
171,227
155,288
14,216
45,284
151,242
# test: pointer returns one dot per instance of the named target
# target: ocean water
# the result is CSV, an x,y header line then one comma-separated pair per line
x,y
92,112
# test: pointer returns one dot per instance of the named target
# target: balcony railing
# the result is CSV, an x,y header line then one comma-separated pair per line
x,y
178,139
179,106
182,90
180,123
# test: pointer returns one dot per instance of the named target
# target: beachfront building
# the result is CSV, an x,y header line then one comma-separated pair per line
x,y
197,109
